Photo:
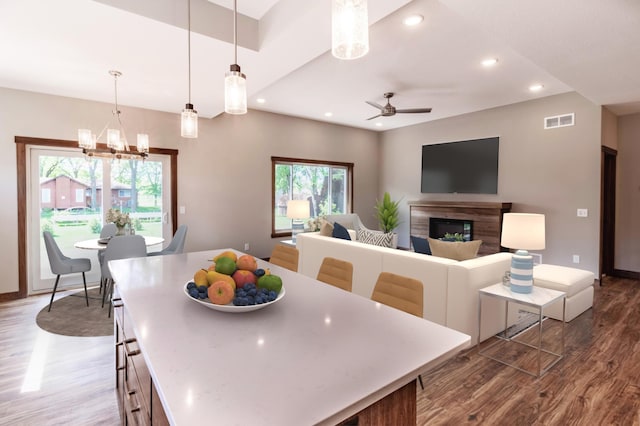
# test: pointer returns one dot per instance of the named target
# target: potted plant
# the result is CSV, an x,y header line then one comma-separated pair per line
x,y
388,215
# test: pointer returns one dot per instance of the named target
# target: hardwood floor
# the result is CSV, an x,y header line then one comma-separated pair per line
x,y
48,379
597,382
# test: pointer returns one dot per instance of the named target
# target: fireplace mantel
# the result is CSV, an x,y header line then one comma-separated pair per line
x,y
486,217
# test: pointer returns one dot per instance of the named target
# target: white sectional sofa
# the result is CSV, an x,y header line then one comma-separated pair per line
x,y
450,287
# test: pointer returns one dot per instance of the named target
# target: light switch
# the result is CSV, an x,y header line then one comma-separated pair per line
x,y
583,212
183,209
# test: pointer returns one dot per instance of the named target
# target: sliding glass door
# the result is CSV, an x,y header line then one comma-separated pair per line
x,y
69,196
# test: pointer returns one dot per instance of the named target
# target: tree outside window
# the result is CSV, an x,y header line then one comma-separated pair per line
x,y
327,186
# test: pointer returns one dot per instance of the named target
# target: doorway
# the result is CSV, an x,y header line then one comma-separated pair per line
x,y
608,225
32,260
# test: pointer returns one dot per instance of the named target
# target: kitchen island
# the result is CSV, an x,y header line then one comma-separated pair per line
x,y
320,355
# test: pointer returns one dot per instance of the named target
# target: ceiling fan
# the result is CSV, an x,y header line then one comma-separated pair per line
x,y
389,110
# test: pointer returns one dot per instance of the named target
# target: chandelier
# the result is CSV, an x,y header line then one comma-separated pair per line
x,y
349,29
189,116
116,142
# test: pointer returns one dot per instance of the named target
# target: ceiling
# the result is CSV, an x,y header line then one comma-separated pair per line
x,y
66,48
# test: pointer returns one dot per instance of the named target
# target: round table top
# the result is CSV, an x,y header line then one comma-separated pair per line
x,y
93,244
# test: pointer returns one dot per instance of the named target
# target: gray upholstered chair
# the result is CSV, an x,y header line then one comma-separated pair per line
x,y
108,231
63,265
122,247
176,245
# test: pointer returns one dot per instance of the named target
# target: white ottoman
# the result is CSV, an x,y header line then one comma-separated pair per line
x,y
576,283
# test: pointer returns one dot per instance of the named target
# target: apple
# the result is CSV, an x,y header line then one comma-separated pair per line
x,y
221,293
247,263
242,277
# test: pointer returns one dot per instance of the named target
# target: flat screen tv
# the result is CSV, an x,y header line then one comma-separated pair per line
x,y
465,167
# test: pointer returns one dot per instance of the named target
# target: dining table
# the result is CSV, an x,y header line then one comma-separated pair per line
x,y
318,355
101,244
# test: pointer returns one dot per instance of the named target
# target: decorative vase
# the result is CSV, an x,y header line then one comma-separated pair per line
x,y
120,230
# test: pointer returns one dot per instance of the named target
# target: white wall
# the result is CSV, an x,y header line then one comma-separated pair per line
x,y
224,177
554,172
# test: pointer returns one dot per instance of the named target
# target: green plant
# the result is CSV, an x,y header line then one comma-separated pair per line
x,y
388,213
453,237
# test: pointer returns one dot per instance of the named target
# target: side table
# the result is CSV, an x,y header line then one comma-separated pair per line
x,y
539,298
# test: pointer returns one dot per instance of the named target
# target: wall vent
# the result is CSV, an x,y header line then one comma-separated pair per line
x,y
559,121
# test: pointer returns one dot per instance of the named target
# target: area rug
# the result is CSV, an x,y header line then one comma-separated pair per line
x,y
70,316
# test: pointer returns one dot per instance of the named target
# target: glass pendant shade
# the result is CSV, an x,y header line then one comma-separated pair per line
x,y
235,91
113,138
349,29
189,122
143,142
86,139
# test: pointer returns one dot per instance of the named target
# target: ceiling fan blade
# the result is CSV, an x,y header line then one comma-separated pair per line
x,y
413,110
375,116
375,105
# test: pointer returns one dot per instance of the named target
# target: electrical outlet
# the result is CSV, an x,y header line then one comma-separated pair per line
x,y
183,209
583,212
246,247
576,258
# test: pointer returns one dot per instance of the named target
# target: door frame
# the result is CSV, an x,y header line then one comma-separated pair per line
x,y
608,212
21,171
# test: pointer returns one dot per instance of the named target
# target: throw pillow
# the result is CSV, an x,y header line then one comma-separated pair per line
x,y
340,231
456,250
420,245
326,229
375,238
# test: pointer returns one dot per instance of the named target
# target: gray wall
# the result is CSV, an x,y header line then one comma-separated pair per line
x,y
627,248
554,172
224,177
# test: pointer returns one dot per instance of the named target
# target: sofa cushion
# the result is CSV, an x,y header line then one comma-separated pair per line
x,y
326,229
376,238
340,231
562,278
456,250
420,245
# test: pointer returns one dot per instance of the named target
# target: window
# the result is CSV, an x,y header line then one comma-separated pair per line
x,y
124,193
46,195
328,186
79,195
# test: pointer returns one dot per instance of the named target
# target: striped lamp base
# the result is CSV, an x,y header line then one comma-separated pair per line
x,y
522,272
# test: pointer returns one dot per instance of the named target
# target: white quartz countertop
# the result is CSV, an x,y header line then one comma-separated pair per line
x,y
317,356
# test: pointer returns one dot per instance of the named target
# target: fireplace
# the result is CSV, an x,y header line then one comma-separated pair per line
x,y
440,226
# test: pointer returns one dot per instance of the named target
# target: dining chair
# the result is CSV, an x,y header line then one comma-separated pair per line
x,y
400,292
121,247
176,245
338,273
285,256
109,230
63,265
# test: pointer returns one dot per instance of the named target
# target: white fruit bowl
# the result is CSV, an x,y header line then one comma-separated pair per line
x,y
231,307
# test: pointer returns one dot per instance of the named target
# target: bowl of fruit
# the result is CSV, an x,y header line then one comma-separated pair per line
x,y
234,284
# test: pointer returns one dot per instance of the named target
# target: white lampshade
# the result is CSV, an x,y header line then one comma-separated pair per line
x,y
298,209
349,29
143,142
235,91
189,122
523,231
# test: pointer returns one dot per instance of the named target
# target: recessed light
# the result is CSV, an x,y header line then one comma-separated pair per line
x,y
412,20
328,114
536,87
489,62
379,124
261,100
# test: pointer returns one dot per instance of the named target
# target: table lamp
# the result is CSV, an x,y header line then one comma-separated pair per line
x,y
296,211
522,232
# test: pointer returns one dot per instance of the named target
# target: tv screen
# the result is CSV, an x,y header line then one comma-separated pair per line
x,y
466,167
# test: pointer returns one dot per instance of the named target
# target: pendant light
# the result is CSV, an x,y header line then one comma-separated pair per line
x,y
189,117
117,145
349,29
235,83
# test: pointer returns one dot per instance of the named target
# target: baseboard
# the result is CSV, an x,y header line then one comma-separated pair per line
x,y
7,297
626,274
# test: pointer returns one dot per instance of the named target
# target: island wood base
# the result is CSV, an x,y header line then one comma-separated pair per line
x,y
397,408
